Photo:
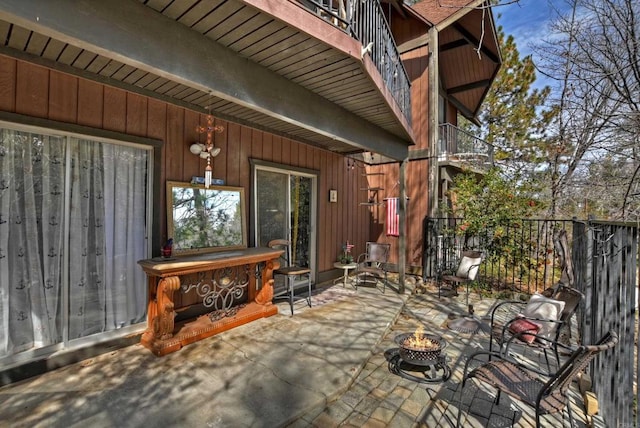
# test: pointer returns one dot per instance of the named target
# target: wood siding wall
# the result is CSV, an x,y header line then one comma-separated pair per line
x,y
36,91
416,63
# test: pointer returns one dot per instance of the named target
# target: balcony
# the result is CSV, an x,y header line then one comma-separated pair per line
x,y
461,149
290,68
365,22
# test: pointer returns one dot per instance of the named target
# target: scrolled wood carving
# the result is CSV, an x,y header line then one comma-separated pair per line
x,y
265,295
267,272
163,323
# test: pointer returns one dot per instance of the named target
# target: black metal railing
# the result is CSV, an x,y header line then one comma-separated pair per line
x,y
365,21
520,256
458,145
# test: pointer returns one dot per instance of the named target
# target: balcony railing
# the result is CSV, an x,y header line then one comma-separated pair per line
x,y
365,22
458,145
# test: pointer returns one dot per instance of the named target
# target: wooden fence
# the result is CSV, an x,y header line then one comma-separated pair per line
x,y
605,259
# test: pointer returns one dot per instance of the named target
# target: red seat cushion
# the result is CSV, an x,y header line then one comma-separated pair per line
x,y
522,324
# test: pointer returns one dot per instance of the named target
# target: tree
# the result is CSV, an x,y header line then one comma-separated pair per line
x,y
489,201
512,113
592,53
490,207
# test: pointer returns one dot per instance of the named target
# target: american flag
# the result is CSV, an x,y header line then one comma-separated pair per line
x,y
393,219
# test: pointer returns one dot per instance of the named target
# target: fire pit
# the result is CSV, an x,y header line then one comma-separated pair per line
x,y
419,357
422,349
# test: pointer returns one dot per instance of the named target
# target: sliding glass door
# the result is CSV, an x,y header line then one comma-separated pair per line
x,y
285,202
73,223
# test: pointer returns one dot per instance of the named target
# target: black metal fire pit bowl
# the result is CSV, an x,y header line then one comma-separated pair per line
x,y
420,356
420,364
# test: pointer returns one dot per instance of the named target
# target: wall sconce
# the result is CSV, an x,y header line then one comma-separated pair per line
x,y
207,150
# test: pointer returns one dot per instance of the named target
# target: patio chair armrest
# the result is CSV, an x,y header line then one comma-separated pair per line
x,y
551,343
475,265
506,306
506,325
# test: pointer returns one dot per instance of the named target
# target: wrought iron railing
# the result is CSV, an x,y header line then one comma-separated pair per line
x,y
365,22
458,145
520,256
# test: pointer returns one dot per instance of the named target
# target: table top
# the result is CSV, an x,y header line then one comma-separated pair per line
x,y
183,265
341,265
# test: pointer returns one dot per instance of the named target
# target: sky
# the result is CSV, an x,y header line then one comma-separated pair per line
x,y
527,22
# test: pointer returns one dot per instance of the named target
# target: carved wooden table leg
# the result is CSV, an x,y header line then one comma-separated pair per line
x,y
161,316
265,295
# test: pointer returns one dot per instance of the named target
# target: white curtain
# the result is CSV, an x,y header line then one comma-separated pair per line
x,y
31,240
125,190
87,292
105,289
108,217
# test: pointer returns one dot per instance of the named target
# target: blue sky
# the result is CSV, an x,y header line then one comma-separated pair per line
x,y
527,21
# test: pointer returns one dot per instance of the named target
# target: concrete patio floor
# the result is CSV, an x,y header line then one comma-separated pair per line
x,y
326,366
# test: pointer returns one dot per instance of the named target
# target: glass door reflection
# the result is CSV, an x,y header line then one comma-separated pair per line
x,y
284,210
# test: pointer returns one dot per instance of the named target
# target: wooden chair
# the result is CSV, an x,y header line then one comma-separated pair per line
x,y
545,392
290,272
505,314
372,265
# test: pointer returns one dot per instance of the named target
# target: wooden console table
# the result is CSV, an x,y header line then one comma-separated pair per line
x,y
232,275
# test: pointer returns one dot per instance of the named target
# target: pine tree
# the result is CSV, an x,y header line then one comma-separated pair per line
x,y
513,117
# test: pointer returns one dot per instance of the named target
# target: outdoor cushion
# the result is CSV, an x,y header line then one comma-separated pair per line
x,y
522,324
468,267
544,308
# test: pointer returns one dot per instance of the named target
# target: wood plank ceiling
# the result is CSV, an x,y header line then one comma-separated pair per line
x,y
253,34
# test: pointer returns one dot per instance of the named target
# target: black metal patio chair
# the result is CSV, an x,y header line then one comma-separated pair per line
x,y
546,392
465,272
510,324
372,265
291,273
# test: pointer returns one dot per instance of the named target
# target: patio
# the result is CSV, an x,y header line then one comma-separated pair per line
x,y
325,366
379,398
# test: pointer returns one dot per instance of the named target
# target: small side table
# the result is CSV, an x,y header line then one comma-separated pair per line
x,y
345,275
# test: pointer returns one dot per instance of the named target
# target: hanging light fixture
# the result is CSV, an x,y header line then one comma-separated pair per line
x,y
207,150
351,164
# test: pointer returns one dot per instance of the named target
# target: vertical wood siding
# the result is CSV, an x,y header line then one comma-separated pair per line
x,y
37,91
417,172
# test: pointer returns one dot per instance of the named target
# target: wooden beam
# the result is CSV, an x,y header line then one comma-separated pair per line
x,y
433,131
136,35
475,42
471,85
464,110
414,44
454,45
402,225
